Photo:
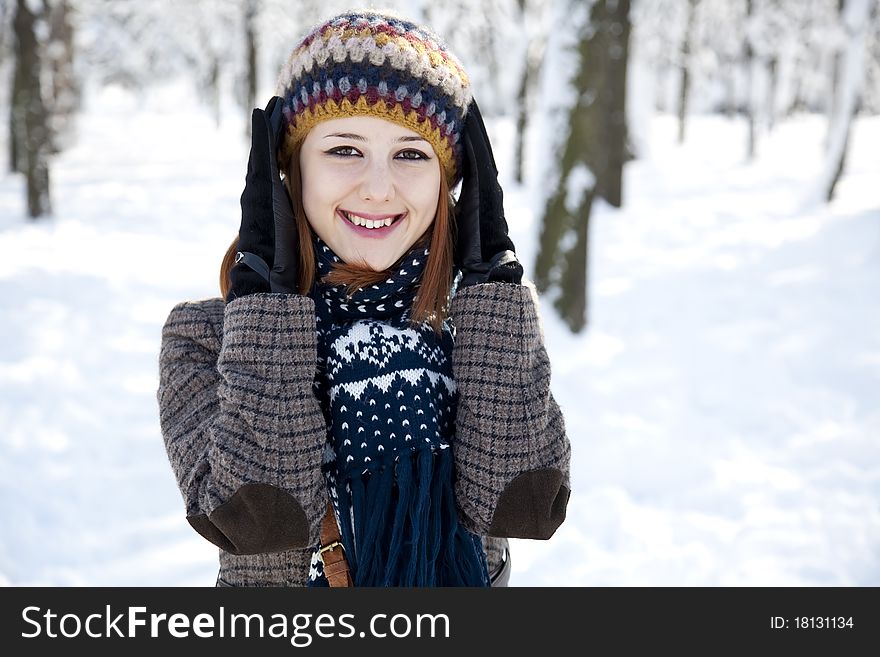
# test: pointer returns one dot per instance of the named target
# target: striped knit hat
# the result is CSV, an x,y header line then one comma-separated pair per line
x,y
371,64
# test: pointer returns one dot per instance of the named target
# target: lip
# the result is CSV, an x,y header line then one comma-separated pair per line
x,y
374,233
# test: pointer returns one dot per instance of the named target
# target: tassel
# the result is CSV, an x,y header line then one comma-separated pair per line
x,y
378,508
442,474
416,567
358,519
403,527
345,506
404,481
450,565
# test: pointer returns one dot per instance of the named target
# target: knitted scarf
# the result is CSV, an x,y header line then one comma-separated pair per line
x,y
389,400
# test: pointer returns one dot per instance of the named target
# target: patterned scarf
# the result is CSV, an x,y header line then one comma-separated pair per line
x,y
389,398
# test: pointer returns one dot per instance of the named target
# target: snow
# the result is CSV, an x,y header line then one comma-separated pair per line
x,y
721,403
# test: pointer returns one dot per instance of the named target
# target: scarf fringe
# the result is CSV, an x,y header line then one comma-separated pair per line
x,y
403,529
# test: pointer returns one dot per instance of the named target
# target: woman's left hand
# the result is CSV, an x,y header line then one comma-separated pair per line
x,y
483,249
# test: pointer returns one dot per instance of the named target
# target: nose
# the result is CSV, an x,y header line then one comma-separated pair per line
x,y
377,183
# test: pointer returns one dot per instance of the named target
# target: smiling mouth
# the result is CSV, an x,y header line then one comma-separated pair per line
x,y
370,224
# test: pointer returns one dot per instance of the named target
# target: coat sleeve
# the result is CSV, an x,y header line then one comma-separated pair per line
x,y
511,450
242,428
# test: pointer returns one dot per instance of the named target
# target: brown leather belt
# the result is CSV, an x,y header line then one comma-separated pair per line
x,y
332,553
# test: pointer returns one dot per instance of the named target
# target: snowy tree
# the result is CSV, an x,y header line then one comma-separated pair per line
x,y
490,38
750,65
30,137
854,24
138,45
531,17
871,90
65,89
249,97
214,52
760,59
241,45
586,80
687,46
763,29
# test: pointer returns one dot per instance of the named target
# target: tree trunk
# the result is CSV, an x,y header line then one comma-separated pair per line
x,y
615,136
836,75
214,88
522,104
772,91
65,99
750,85
574,278
590,160
29,118
4,7
530,72
17,103
686,48
521,125
854,19
731,104
489,58
250,19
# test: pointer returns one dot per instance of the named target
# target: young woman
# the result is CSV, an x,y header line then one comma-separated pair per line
x,y
373,384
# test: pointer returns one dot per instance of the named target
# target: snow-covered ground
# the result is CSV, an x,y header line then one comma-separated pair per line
x,y
722,404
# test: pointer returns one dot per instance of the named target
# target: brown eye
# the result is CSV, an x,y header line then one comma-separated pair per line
x,y
343,151
412,154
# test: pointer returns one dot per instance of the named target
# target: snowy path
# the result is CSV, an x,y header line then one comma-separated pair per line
x,y
721,405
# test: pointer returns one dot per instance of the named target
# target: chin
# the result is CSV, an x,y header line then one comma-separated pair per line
x,y
377,264
380,262
375,260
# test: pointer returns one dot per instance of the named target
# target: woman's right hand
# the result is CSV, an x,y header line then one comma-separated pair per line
x,y
267,238
483,248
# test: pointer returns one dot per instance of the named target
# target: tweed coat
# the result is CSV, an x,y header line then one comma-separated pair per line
x,y
238,415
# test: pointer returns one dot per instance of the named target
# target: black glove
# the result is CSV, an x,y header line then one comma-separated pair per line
x,y
267,236
483,250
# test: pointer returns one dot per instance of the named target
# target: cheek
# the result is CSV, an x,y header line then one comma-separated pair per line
x,y
427,211
310,198
423,194
322,188
427,204
329,180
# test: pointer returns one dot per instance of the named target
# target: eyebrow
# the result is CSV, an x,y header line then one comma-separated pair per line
x,y
351,135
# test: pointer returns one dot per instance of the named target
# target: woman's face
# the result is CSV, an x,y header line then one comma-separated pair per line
x,y
359,174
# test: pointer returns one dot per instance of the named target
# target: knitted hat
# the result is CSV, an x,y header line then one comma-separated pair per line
x,y
371,64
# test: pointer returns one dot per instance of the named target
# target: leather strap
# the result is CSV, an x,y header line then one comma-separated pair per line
x,y
253,261
332,553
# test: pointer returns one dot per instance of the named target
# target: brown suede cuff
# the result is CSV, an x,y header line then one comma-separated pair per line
x,y
531,506
258,518
512,454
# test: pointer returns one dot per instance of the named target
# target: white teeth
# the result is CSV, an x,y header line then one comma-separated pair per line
x,y
357,221
368,223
